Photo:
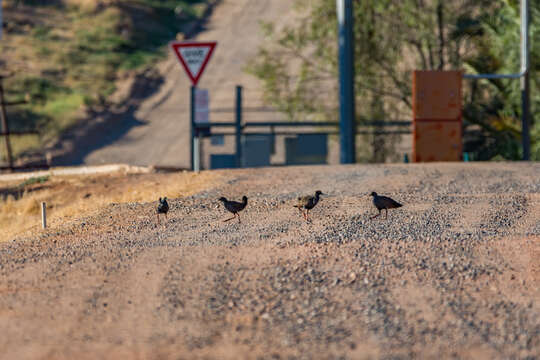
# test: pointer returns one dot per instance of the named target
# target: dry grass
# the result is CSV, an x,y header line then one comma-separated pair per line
x,y
70,197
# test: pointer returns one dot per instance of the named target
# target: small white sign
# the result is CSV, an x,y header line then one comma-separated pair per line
x,y
194,58
202,101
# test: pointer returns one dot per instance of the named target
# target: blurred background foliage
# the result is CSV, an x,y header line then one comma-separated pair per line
x,y
299,68
67,55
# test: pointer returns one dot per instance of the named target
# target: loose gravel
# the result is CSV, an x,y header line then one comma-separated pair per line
x,y
455,273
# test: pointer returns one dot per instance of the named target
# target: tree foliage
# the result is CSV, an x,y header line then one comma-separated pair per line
x,y
298,65
495,105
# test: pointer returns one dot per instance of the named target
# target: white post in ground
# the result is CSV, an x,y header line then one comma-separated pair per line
x,y
43,215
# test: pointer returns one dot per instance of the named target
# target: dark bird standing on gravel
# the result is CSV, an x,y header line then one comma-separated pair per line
x,y
308,202
234,206
383,202
163,208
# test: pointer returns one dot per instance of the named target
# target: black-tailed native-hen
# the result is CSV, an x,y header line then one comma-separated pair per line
x,y
308,202
384,202
234,206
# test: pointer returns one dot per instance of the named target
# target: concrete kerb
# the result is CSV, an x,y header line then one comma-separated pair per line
x,y
78,170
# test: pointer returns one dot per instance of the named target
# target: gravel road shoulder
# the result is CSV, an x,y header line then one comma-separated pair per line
x,y
455,273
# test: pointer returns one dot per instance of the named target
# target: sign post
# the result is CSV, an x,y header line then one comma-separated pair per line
x,y
200,120
192,127
194,56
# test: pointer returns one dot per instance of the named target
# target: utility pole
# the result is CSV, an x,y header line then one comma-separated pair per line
x,y
5,126
347,125
3,116
524,82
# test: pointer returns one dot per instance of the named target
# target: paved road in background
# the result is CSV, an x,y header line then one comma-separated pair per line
x,y
155,130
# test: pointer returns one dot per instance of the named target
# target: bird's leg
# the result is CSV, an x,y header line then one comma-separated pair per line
x,y
159,222
307,215
385,214
374,216
166,217
229,219
238,218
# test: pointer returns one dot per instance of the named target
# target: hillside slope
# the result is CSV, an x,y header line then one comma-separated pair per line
x,y
153,127
67,56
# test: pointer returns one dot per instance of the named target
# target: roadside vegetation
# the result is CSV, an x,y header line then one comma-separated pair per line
x,y
70,197
393,38
66,56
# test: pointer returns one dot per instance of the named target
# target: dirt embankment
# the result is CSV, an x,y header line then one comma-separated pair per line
x,y
453,274
152,126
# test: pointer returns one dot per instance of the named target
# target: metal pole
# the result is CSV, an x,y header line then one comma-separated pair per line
x,y
192,127
238,134
525,117
346,81
197,154
5,126
524,81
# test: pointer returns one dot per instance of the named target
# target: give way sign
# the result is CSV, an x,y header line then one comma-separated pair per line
x,y
193,56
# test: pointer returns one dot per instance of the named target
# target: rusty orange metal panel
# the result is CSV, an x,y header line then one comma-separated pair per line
x,y
437,95
437,140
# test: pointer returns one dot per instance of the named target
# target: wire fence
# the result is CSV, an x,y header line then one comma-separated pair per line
x,y
236,133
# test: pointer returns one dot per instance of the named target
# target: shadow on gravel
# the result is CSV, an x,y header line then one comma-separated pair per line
x,y
18,192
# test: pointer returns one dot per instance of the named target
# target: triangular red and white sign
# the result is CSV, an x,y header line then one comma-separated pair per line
x,y
193,56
